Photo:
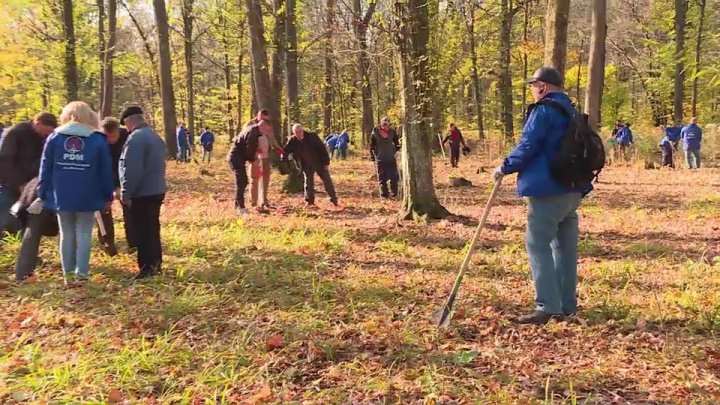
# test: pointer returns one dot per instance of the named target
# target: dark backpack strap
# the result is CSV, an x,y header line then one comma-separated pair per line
x,y
557,106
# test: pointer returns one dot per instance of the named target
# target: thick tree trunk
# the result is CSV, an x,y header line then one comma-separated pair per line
x,y
679,87
472,44
361,26
291,65
698,50
166,85
278,57
108,76
596,64
328,87
71,71
253,91
505,84
188,20
264,91
419,199
556,25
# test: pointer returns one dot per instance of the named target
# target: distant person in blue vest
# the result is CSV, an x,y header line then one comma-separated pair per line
x,y
76,179
207,139
692,139
552,230
666,147
624,139
183,143
331,143
343,143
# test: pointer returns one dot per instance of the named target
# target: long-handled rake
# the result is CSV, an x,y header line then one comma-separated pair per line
x,y
442,317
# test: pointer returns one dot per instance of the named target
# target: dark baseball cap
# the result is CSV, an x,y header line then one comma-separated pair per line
x,y
547,75
130,111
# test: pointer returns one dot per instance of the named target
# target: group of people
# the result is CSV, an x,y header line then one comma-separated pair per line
x,y
691,136
186,144
62,177
338,145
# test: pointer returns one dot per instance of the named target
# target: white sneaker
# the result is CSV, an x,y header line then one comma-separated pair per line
x,y
242,211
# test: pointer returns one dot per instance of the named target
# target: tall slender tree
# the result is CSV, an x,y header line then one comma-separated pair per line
x,y
698,48
596,63
167,90
188,18
108,75
468,10
681,7
556,26
361,23
328,85
291,64
71,70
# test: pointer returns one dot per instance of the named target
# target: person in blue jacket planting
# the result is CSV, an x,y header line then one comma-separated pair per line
x,y
552,229
691,136
76,179
342,145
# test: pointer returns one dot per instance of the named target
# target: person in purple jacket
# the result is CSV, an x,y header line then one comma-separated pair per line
x,y
76,179
552,230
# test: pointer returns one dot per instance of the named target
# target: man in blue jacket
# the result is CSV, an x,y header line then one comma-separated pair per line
x,y
692,138
552,231
207,139
143,187
183,143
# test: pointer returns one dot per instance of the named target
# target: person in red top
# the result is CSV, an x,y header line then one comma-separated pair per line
x,y
456,139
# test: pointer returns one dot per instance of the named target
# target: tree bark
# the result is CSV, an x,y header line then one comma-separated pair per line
x,y
253,91
596,64
360,27
241,47
291,65
102,47
227,76
108,75
505,80
556,25
261,75
679,87
167,91
188,20
698,49
327,88
412,37
526,23
278,58
472,44
71,71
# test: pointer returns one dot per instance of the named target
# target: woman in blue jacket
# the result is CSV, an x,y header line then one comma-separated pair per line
x,y
76,179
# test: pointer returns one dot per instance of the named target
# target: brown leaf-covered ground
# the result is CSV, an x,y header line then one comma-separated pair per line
x,y
326,305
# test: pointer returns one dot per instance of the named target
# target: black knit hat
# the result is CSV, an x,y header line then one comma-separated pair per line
x,y
130,111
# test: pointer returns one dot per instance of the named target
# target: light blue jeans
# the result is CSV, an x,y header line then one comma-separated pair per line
x,y
692,157
75,242
552,242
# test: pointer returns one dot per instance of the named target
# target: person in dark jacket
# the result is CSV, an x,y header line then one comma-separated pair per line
x,y
207,140
243,150
552,231
116,137
308,150
666,147
143,187
75,181
183,143
20,153
34,226
456,140
691,136
384,144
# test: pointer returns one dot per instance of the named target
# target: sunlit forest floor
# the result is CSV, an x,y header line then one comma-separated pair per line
x,y
330,306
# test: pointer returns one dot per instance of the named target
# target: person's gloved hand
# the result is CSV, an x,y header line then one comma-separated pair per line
x,y
36,207
498,174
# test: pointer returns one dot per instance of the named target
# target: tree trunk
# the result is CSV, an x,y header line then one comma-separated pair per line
x,y
470,27
253,91
71,71
505,80
419,199
556,25
102,47
679,87
596,64
698,49
241,47
278,58
327,89
188,19
108,76
227,76
261,75
146,45
167,91
526,23
291,65
360,27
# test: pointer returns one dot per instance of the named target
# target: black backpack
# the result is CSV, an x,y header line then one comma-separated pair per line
x,y
581,155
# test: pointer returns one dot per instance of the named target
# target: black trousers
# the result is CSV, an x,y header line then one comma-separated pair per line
x,y
28,255
324,174
454,155
145,217
109,239
388,172
241,183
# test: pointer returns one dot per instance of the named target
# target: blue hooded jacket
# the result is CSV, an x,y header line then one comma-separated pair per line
x,y
182,137
540,140
691,136
207,139
673,133
625,136
342,141
76,170
332,142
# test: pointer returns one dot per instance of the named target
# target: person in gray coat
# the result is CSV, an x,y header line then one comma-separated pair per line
x,y
143,187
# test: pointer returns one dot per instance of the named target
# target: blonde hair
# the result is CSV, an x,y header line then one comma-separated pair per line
x,y
80,112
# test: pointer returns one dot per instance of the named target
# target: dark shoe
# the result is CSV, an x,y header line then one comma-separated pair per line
x,y
334,202
143,275
536,318
110,250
